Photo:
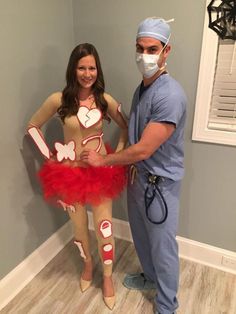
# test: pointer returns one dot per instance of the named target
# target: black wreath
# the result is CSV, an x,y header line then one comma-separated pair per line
x,y
222,18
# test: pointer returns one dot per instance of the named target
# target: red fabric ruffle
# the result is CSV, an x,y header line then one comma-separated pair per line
x,y
81,185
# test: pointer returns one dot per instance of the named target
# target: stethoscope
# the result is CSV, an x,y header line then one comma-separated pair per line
x,y
153,188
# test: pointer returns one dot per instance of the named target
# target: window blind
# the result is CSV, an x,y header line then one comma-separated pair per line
x,y
222,115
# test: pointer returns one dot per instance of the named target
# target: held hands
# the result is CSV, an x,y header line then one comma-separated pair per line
x,y
92,158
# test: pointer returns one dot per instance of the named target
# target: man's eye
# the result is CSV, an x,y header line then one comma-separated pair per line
x,y
152,50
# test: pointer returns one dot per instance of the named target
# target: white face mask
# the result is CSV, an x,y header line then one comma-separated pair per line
x,y
147,64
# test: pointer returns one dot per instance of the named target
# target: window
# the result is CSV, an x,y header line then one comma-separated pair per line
x,y
215,108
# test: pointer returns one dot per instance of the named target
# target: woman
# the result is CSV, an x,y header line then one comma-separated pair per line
x,y
67,181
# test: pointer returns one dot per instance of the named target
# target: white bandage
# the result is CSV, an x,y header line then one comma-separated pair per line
x,y
39,141
66,206
65,151
80,247
88,117
105,228
94,137
107,254
122,115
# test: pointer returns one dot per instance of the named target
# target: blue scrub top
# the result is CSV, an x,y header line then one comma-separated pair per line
x,y
162,101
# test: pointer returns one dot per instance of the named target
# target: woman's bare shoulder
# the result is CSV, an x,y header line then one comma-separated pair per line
x,y
54,99
109,99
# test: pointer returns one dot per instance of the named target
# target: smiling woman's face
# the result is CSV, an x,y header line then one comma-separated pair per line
x,y
86,71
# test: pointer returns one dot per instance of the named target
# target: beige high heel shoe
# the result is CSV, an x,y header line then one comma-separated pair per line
x,y
109,301
85,284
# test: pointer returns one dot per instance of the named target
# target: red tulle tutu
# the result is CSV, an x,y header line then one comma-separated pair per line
x,y
81,185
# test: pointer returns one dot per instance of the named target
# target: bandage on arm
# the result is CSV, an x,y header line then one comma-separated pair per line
x,y
39,141
43,114
124,119
115,112
123,138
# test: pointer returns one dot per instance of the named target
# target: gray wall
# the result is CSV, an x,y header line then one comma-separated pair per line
x,y
208,205
36,40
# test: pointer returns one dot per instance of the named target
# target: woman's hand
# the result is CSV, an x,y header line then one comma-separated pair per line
x,y
92,158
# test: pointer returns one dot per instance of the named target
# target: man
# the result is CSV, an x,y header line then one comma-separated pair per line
x,y
156,136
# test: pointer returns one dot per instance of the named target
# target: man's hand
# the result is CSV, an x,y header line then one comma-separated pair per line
x,y
92,158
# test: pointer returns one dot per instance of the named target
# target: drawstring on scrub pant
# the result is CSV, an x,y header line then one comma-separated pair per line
x,y
153,188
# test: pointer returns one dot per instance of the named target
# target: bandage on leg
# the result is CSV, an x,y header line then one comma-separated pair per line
x,y
107,254
66,206
105,228
72,208
81,249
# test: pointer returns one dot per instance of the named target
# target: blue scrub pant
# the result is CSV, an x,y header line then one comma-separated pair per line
x,y
156,245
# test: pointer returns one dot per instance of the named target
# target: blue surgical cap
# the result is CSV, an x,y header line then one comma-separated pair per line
x,y
154,27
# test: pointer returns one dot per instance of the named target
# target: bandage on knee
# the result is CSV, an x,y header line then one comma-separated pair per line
x,y
81,249
72,208
66,206
105,228
107,254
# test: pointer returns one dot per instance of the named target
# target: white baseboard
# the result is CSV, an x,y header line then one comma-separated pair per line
x,y
19,277
207,255
23,273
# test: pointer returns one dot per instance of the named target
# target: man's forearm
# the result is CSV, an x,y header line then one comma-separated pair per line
x,y
130,155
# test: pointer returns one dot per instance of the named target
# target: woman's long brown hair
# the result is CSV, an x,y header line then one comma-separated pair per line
x,y
70,94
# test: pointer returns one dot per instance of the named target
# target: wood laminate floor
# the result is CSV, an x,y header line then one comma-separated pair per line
x,y
55,290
